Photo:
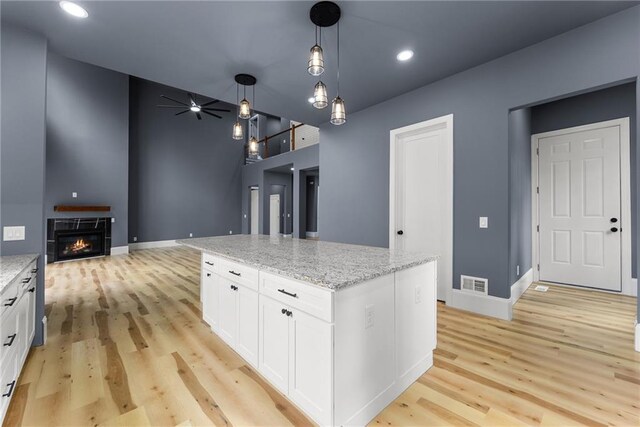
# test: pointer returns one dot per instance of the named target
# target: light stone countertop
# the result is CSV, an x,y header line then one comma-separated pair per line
x,y
12,265
326,264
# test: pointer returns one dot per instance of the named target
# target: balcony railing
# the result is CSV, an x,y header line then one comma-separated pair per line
x,y
294,139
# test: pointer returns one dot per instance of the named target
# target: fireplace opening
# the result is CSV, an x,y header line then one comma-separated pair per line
x,y
76,238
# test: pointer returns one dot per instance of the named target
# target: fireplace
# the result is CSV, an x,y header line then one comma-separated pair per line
x,y
76,238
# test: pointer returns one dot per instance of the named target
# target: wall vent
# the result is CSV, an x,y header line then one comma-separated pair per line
x,y
474,284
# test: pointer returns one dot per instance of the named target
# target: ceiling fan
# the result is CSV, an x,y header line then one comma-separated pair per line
x,y
194,107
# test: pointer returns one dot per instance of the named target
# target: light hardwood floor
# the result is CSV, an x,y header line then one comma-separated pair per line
x,y
126,346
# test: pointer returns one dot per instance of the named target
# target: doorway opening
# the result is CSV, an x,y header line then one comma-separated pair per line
x,y
421,194
254,210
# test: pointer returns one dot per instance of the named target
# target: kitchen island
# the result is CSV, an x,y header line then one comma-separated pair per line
x,y
341,330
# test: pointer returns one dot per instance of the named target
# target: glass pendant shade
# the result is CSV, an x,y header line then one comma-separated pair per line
x,y
338,112
245,109
320,96
316,61
237,131
253,146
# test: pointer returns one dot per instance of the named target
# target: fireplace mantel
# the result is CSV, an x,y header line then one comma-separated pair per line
x,y
81,208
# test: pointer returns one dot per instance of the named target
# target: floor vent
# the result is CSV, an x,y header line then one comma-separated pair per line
x,y
474,284
541,288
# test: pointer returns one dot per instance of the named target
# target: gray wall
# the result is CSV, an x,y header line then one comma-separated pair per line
x,y
184,174
254,175
355,190
519,193
606,104
22,147
87,140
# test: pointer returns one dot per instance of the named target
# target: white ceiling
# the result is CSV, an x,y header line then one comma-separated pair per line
x,y
200,45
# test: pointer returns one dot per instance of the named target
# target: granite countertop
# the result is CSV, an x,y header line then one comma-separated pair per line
x,y
326,264
11,266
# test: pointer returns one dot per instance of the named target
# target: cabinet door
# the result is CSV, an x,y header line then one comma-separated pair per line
x,y
247,342
228,312
31,315
274,343
311,366
23,338
210,299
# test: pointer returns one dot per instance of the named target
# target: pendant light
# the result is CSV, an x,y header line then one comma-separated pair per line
x,y
321,100
238,134
253,146
245,107
338,111
316,57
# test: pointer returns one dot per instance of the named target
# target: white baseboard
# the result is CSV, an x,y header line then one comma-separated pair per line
x,y
481,304
518,288
637,335
150,245
312,234
630,288
120,250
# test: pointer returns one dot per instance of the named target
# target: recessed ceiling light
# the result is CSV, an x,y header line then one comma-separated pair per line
x,y
311,100
405,55
73,9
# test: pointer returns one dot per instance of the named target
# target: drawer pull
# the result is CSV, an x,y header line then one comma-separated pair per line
x,y
282,291
34,271
234,288
10,302
234,273
208,263
10,385
32,290
26,280
11,339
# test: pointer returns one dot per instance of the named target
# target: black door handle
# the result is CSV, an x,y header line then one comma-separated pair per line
x,y
400,232
234,288
614,220
11,339
10,385
34,271
284,311
208,263
614,229
32,290
12,301
26,280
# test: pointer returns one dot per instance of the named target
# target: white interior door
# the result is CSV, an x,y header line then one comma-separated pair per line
x,y
580,207
255,203
422,209
274,214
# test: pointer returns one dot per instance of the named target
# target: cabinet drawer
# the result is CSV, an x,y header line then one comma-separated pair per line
x,y
9,297
239,273
308,298
209,262
9,339
28,278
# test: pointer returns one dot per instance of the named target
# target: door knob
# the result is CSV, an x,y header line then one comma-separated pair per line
x,y
614,229
614,220
400,232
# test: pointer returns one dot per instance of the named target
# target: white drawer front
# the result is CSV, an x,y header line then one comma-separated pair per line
x,y
8,335
29,276
10,296
239,273
305,297
209,262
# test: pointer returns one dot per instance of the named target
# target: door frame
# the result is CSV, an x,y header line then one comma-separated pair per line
x,y
627,285
443,122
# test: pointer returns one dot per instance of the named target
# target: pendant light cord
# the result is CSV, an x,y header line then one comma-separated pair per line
x,y
338,85
237,99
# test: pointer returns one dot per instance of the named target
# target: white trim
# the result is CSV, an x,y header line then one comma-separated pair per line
x,y
312,234
637,343
519,288
447,122
119,250
482,304
151,245
627,285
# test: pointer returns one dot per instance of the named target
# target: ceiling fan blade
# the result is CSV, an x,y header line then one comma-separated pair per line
x,y
198,116
181,112
210,102
170,106
217,109
174,100
211,114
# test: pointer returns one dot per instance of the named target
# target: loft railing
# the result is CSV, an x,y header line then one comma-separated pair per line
x,y
264,142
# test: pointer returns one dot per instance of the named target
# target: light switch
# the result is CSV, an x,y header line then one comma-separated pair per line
x,y
13,233
74,195
484,222
113,220
190,234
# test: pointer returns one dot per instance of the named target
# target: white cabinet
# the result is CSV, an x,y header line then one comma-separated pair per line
x,y
228,318
247,341
274,343
210,298
310,365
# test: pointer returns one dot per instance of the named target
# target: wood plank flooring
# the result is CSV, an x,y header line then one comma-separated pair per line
x,y
127,347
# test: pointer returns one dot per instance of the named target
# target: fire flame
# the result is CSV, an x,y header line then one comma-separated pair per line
x,y
79,245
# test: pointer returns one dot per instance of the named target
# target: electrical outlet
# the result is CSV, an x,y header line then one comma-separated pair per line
x,y
74,195
484,222
13,233
135,239
418,294
517,270
113,220
369,316
230,231
245,216
190,234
